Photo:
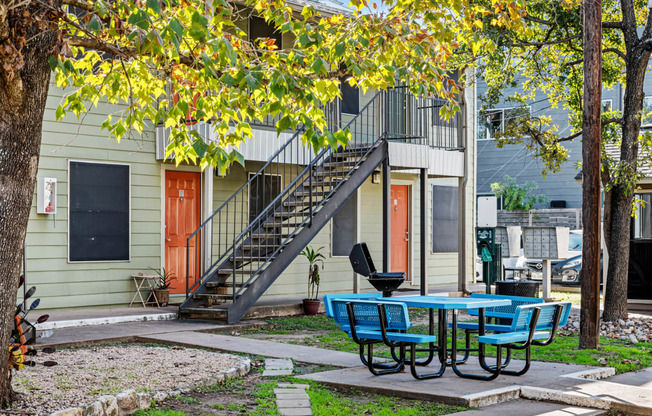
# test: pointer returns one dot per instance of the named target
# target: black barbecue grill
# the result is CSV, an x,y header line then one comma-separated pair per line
x,y
362,264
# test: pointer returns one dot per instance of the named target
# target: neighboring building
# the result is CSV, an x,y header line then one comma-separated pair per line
x,y
518,162
120,209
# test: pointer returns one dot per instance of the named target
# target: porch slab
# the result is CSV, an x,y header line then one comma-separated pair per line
x,y
298,353
452,389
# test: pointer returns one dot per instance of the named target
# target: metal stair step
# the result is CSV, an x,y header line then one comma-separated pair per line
x,y
215,285
229,272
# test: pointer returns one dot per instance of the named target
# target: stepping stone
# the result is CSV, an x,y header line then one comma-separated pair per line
x,y
292,400
278,367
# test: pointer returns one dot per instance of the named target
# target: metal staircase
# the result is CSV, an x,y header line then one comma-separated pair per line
x,y
248,254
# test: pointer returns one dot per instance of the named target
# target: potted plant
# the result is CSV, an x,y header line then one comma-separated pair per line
x,y
315,258
162,289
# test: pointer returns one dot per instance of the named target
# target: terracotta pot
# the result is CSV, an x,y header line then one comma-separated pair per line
x,y
311,306
162,296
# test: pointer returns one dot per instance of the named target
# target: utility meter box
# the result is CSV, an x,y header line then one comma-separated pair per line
x,y
545,243
485,237
46,196
509,239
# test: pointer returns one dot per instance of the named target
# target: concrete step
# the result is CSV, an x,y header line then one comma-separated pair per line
x,y
531,408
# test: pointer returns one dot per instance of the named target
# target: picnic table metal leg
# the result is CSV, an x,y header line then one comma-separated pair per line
x,y
431,346
495,373
380,369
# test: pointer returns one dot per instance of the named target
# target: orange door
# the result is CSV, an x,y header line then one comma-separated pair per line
x,y
182,218
400,229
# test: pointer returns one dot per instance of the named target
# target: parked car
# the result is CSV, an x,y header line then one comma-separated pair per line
x,y
569,272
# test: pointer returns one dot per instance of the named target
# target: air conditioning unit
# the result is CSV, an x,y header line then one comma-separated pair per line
x,y
558,204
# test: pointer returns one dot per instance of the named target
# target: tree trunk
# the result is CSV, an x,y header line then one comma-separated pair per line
x,y
23,93
615,300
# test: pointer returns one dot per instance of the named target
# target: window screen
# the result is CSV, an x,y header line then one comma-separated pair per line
x,y
344,228
444,219
262,191
98,218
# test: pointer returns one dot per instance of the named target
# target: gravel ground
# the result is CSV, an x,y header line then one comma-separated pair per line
x,y
635,329
83,375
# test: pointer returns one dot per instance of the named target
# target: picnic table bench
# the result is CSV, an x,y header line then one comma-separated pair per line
x,y
530,325
370,322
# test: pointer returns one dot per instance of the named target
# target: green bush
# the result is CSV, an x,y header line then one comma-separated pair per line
x,y
515,196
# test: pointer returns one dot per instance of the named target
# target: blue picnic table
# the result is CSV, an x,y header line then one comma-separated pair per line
x,y
443,304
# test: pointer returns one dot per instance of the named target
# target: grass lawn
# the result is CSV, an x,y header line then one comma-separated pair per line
x,y
323,400
322,332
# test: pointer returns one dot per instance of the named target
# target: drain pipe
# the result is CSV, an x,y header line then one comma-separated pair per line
x,y
461,217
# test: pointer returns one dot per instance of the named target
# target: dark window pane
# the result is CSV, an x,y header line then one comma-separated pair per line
x,y
444,219
98,212
259,28
344,228
350,99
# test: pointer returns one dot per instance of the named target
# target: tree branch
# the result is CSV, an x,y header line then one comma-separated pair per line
x,y
547,43
124,52
629,23
612,25
579,133
617,51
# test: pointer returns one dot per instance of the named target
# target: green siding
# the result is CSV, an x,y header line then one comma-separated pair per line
x,y
61,284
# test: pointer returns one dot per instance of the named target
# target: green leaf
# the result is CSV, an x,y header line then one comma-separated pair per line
x,y
140,19
277,89
176,27
283,124
94,24
154,5
200,147
318,66
252,80
331,139
340,48
54,62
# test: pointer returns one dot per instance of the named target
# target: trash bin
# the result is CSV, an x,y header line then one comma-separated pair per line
x,y
527,288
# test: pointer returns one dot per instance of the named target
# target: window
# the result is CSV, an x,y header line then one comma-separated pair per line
x,y
444,218
642,222
262,191
491,122
344,228
98,217
260,29
350,96
646,112
606,106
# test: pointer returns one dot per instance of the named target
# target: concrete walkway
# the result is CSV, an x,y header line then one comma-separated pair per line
x,y
531,408
299,353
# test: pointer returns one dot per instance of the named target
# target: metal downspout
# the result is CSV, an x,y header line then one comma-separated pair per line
x,y
461,223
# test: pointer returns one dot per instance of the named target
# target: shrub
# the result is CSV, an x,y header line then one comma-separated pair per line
x,y
515,196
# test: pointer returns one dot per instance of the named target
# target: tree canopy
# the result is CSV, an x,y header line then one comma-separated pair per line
x,y
171,60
